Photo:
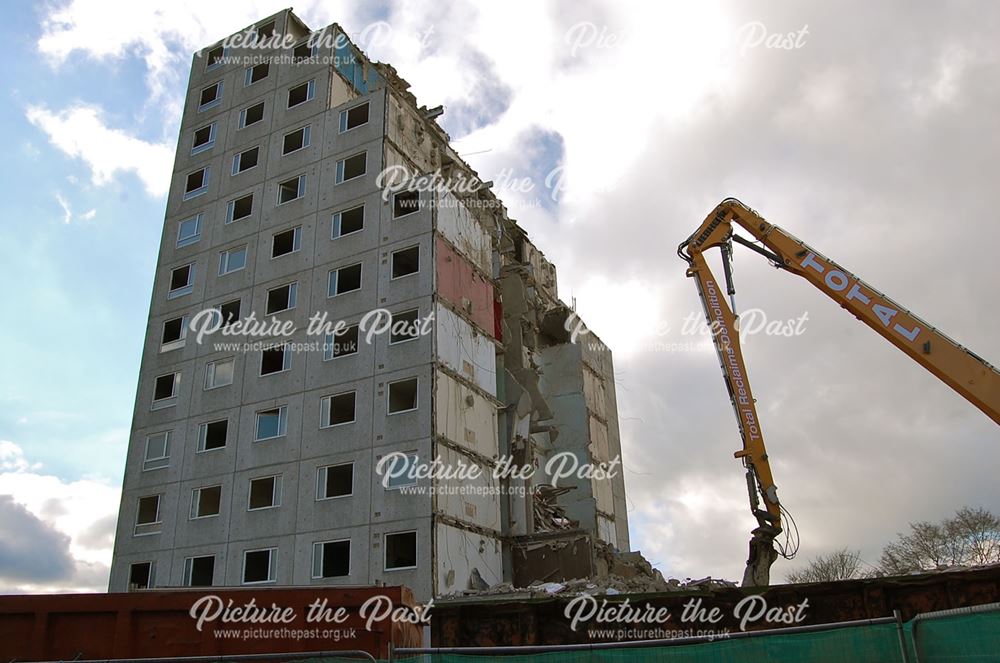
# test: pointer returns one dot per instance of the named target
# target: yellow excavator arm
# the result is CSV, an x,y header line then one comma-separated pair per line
x,y
961,369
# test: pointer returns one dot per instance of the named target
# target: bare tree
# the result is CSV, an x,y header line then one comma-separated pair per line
x,y
970,538
842,564
978,530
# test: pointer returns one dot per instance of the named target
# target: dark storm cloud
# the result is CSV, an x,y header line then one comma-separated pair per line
x,y
30,550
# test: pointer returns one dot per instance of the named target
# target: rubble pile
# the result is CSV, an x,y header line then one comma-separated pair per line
x,y
617,573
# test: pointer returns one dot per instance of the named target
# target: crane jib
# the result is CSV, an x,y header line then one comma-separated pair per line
x,y
712,225
743,399
839,282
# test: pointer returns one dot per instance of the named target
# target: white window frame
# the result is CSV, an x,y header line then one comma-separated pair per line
x,y
330,341
152,575
203,436
293,295
413,457
168,401
272,571
150,525
321,476
242,124
194,193
416,551
215,65
313,49
276,489
150,463
196,503
218,308
184,289
392,257
342,121
231,208
336,222
256,32
413,210
286,360
238,158
218,96
193,238
416,398
211,371
317,561
225,258
177,343
341,166
392,321
326,405
310,93
300,190
189,569
331,281
204,147
306,140
296,241
282,423
249,72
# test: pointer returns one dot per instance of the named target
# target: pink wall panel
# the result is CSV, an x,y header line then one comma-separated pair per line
x,y
462,286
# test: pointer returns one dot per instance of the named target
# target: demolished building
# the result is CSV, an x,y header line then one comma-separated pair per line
x,y
261,466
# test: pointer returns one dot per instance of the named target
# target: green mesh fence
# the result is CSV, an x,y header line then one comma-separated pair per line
x,y
963,638
970,638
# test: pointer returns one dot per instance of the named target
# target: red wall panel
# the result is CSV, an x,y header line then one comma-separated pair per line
x,y
463,287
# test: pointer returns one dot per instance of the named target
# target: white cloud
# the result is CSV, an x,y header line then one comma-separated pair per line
x,y
67,212
12,458
80,132
82,512
162,34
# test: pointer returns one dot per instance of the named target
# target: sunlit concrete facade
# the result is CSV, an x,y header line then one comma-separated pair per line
x,y
257,466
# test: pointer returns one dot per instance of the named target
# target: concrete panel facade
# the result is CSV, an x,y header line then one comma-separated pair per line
x,y
235,411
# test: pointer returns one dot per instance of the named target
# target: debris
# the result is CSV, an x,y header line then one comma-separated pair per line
x,y
548,587
616,573
549,516
476,580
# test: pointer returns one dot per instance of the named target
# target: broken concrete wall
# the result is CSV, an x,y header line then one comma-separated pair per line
x,y
466,560
599,381
464,416
473,501
410,133
562,386
561,392
553,558
351,63
469,234
464,350
340,91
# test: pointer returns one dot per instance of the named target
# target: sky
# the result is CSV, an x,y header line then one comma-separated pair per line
x,y
610,129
